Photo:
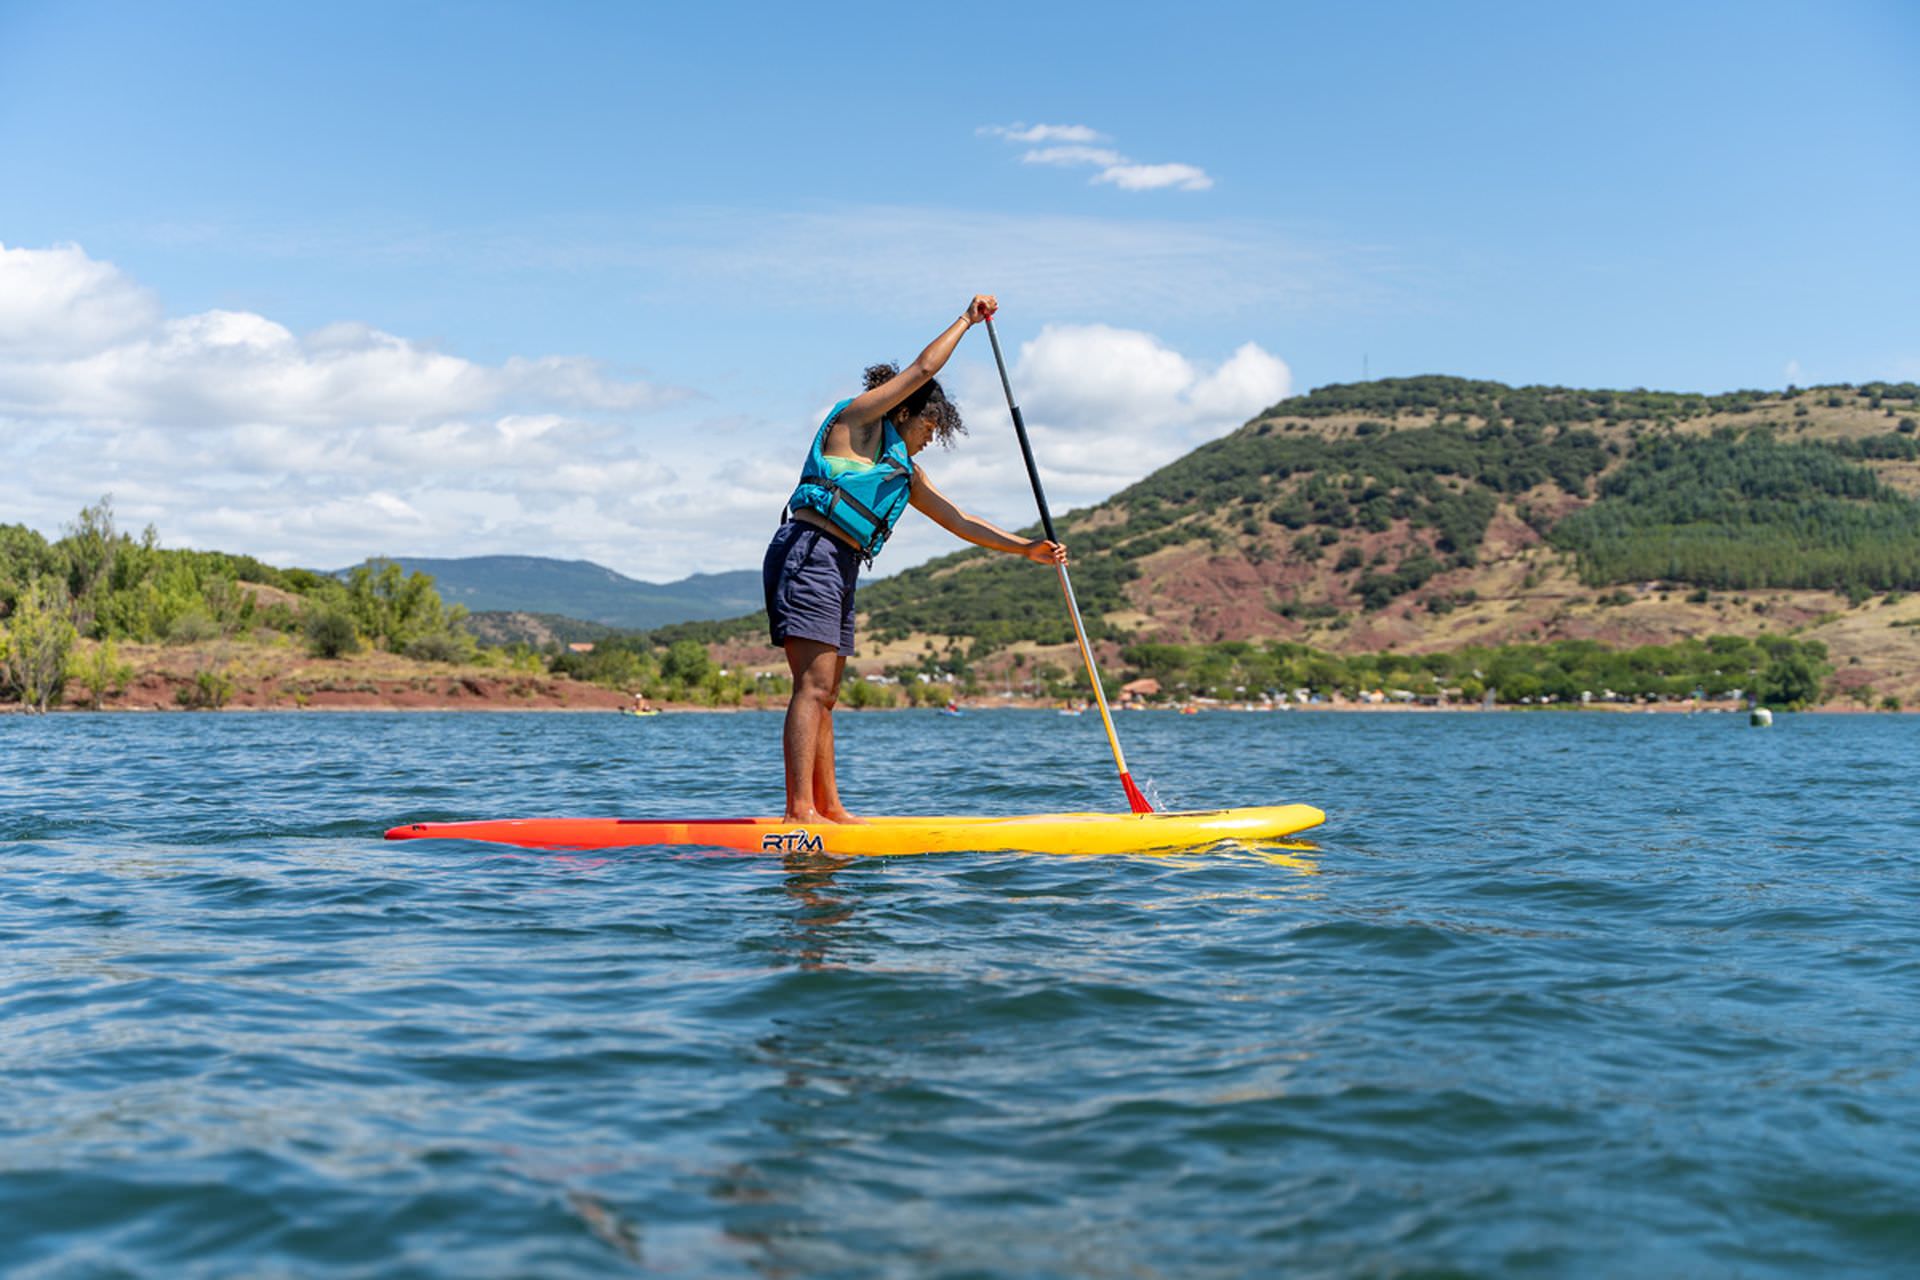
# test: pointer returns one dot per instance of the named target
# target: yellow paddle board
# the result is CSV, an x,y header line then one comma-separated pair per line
x,y
1049,833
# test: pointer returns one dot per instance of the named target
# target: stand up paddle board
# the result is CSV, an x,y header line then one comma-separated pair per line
x,y
1052,833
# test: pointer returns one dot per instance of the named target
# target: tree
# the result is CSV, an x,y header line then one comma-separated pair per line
x,y
90,547
330,632
396,608
858,694
102,672
38,641
1789,680
687,663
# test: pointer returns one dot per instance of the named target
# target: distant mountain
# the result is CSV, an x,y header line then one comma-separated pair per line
x,y
582,589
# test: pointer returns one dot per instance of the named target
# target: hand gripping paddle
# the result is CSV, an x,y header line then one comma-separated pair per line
x,y
1137,802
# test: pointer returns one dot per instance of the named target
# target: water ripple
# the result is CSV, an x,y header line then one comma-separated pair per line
x,y
1517,1010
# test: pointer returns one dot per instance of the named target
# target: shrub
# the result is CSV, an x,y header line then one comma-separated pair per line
x,y
102,673
442,646
192,627
395,607
209,691
1789,680
686,663
331,633
36,643
1377,589
858,693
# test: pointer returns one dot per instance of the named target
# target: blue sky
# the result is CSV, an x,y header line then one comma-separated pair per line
x,y
576,279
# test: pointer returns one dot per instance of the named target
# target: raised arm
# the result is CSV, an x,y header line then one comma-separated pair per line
x,y
939,508
870,406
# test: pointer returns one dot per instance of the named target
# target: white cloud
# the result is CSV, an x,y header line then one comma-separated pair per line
x,y
228,430
1249,381
1152,177
59,299
1104,407
1116,169
1071,156
1042,133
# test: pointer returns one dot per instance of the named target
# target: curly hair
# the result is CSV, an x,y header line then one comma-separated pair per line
x,y
929,400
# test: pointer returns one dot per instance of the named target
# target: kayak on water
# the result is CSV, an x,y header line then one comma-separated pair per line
x,y
629,711
1046,833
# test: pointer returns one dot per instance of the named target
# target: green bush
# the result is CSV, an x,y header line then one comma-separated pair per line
x,y
192,627
859,693
209,691
1789,680
394,608
331,633
610,665
451,645
36,644
102,673
1379,589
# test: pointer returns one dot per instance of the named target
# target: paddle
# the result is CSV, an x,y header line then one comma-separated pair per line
x,y
1137,802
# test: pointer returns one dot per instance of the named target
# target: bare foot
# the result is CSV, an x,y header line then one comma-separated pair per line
x,y
804,816
847,819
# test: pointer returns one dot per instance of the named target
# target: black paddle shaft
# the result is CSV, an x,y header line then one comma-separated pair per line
x,y
1020,429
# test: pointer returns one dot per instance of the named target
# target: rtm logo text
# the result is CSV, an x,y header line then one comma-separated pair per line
x,y
791,842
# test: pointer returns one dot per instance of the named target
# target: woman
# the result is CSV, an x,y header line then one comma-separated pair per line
x,y
858,480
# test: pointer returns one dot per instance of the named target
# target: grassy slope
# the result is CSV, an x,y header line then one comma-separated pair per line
x,y
1229,583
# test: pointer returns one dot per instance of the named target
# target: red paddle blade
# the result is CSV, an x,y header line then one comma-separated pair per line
x,y
1138,802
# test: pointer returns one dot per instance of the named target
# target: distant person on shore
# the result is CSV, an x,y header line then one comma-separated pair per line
x,y
858,480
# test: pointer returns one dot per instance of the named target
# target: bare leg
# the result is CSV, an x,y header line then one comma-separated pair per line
x,y
808,736
826,792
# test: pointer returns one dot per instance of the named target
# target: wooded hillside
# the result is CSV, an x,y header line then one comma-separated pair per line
x,y
1427,514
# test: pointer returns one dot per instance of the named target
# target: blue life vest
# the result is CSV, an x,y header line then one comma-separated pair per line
x,y
864,503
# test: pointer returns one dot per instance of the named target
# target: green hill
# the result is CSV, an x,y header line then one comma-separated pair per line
x,y
1443,515
1405,494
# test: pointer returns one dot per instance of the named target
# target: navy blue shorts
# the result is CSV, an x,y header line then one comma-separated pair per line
x,y
809,576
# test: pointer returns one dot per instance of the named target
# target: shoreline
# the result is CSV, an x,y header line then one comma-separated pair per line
x,y
1344,708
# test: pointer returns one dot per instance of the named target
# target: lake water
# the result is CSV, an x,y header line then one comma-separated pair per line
x,y
1550,994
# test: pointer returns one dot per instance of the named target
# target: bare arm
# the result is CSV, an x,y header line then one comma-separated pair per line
x,y
870,406
937,507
